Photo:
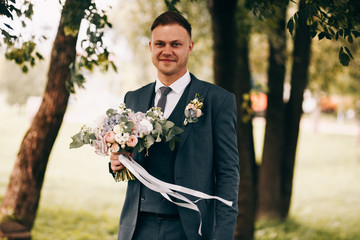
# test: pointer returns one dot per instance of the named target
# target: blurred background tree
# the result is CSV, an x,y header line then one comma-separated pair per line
x,y
19,87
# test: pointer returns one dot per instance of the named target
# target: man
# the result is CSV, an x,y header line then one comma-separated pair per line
x,y
206,158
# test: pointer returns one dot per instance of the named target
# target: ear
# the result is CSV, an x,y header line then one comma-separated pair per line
x,y
191,46
150,46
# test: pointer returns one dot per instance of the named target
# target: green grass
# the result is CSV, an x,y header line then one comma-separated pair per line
x,y
80,200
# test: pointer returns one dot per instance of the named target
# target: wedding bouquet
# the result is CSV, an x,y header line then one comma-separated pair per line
x,y
126,132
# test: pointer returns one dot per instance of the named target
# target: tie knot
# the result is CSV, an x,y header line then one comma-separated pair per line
x,y
165,91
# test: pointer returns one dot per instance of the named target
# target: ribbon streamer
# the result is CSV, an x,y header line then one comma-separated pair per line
x,y
167,189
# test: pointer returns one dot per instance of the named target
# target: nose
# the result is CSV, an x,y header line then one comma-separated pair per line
x,y
167,50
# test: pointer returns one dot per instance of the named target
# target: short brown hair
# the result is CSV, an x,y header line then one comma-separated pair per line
x,y
171,17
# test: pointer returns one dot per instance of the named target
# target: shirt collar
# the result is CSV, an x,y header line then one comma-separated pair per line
x,y
178,85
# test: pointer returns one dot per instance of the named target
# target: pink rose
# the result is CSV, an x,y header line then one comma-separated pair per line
x,y
100,146
115,147
190,105
132,141
134,128
198,113
110,137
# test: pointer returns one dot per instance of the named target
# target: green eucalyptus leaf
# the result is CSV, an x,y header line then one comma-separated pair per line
x,y
172,144
110,112
130,125
149,141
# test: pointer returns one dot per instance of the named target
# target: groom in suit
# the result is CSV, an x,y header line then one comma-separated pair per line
x,y
206,158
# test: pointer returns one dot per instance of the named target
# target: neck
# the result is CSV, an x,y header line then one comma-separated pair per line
x,y
167,80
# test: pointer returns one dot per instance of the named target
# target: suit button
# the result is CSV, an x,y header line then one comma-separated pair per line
x,y
142,198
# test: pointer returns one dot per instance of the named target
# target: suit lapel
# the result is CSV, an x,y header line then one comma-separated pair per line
x,y
196,87
145,99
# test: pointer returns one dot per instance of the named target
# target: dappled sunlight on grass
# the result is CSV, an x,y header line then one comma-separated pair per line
x,y
295,230
64,224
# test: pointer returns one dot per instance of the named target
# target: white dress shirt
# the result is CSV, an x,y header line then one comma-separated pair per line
x,y
177,89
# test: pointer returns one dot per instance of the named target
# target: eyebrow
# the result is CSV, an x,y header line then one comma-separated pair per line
x,y
173,41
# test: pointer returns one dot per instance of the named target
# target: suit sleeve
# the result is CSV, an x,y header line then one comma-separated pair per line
x,y
226,159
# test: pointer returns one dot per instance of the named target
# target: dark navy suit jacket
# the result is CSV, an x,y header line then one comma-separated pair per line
x,y
207,161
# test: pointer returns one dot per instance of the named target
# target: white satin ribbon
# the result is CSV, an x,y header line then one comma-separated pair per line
x,y
167,189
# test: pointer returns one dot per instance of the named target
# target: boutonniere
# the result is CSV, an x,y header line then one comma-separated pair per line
x,y
193,110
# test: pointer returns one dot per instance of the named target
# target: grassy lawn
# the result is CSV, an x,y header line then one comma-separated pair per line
x,y
80,200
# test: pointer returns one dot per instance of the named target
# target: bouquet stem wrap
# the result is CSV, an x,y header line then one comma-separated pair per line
x,y
167,189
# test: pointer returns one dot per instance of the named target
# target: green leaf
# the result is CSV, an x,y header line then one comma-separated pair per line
x,y
140,145
177,130
290,25
341,32
313,34
123,119
111,112
167,125
356,33
113,66
5,11
24,69
149,141
350,39
76,140
343,57
328,36
172,145
40,57
321,35
349,52
129,125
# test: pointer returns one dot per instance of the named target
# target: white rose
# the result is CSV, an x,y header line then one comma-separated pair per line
x,y
146,123
117,128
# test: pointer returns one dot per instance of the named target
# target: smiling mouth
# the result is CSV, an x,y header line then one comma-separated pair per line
x,y
167,60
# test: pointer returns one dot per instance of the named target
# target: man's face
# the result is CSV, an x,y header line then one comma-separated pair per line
x,y
170,47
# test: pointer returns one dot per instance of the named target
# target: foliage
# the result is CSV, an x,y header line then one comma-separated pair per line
x,y
328,19
265,8
21,51
93,53
327,74
331,20
171,4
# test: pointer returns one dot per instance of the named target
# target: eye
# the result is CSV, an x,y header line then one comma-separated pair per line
x,y
160,44
176,44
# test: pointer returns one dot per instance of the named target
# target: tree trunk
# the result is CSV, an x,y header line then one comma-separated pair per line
x,y
293,110
224,36
23,192
248,169
269,190
231,71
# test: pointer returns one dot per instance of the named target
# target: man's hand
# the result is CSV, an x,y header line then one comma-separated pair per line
x,y
116,165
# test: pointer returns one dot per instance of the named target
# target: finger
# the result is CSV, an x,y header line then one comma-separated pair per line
x,y
117,167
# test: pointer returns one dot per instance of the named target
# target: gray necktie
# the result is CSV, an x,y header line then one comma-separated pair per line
x,y
162,101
